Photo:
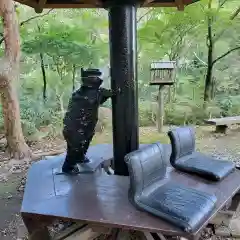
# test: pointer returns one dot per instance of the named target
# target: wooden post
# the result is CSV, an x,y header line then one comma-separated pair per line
x,y
169,94
160,111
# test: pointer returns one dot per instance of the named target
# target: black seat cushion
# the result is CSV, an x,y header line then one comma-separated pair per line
x,y
146,166
152,191
185,207
185,158
205,166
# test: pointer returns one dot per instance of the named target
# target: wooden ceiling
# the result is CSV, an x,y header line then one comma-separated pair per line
x,y
41,4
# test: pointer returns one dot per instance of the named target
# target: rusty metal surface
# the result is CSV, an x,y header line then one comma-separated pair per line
x,y
101,199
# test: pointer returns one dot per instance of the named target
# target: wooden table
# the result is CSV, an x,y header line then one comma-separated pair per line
x,y
222,123
102,200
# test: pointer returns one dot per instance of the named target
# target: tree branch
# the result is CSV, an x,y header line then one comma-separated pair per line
x,y
146,13
232,17
204,63
34,17
222,3
28,20
225,54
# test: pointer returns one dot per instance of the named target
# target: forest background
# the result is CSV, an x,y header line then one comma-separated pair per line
x,y
204,40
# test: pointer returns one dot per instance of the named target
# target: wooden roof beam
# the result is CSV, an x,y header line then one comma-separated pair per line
x,y
96,3
180,5
40,6
70,5
147,2
29,3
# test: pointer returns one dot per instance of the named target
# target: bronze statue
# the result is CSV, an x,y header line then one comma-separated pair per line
x,y
81,118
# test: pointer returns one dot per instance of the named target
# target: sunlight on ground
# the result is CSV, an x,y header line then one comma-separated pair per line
x,y
151,135
146,135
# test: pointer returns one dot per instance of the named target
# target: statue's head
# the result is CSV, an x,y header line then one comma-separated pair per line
x,y
91,78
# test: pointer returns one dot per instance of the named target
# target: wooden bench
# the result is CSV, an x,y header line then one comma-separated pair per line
x,y
101,201
223,123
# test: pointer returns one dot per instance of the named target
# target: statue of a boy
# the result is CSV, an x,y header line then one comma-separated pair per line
x,y
81,118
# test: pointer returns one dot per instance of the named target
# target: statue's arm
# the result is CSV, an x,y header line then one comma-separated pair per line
x,y
107,93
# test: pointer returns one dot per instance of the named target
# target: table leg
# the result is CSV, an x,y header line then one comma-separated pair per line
x,y
37,230
114,234
221,128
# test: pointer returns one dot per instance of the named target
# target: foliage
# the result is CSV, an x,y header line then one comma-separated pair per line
x,y
70,39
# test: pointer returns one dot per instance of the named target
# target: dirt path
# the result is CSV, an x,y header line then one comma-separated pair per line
x,y
12,175
225,147
10,204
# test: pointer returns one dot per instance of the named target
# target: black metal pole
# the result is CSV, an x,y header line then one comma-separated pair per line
x,y
123,59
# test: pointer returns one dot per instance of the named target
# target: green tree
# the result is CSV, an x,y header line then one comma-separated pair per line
x,y
9,75
213,14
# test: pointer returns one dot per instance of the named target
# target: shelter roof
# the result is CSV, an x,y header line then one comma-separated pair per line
x,y
41,4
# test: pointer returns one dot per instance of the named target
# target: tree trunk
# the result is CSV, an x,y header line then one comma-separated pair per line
x,y
160,110
60,102
17,147
169,94
73,77
210,44
9,73
193,96
213,88
43,72
208,81
44,78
